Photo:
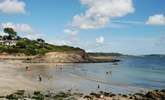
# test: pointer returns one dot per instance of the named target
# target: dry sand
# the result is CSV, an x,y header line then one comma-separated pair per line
x,y
12,80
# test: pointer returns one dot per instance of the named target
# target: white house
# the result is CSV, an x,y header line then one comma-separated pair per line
x,y
8,42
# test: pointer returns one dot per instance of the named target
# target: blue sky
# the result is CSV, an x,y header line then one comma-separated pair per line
x,y
125,26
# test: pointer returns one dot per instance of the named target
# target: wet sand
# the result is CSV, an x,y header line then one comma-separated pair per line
x,y
53,77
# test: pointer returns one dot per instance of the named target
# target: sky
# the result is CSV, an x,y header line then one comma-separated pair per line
x,y
124,26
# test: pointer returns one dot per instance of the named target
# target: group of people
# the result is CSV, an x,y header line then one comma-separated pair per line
x,y
39,77
109,72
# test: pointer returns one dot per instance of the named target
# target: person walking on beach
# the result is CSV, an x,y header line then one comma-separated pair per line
x,y
40,78
27,68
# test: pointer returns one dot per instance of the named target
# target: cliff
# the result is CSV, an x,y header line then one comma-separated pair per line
x,y
70,57
63,57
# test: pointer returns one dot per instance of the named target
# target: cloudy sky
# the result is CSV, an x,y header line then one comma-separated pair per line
x,y
125,26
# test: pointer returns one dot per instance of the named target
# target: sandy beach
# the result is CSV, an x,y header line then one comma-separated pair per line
x,y
14,77
12,80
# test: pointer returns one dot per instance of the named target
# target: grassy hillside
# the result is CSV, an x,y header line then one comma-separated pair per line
x,y
30,47
33,47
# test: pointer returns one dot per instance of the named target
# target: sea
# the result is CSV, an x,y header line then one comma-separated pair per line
x,y
132,74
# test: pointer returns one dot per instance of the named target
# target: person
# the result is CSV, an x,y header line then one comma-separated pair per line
x,y
60,68
110,72
27,68
98,86
40,78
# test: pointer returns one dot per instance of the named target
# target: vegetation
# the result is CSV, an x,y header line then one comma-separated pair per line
x,y
29,47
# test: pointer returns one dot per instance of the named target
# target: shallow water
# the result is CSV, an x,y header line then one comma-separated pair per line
x,y
132,74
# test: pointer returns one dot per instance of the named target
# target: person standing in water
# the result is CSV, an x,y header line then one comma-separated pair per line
x,y
98,86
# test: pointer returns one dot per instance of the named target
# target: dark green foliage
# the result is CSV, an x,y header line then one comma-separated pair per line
x,y
38,96
11,33
61,95
16,96
40,40
11,97
31,47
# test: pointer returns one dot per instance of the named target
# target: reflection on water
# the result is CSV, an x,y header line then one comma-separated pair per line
x,y
130,75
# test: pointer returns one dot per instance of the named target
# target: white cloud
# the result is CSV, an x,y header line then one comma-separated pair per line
x,y
100,40
25,28
12,6
129,22
2,34
71,32
60,42
22,28
158,19
34,36
100,12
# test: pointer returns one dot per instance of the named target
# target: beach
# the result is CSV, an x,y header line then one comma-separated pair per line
x,y
12,80
125,78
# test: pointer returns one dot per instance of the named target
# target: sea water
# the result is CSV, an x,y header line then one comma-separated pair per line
x,y
131,74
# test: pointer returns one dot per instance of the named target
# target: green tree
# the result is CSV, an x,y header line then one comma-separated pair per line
x,y
1,37
5,37
39,40
11,33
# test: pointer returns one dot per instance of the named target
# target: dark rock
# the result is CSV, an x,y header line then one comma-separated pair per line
x,y
95,95
130,97
112,95
62,95
101,92
12,97
138,96
106,94
125,96
2,96
152,95
20,92
156,90
39,97
78,94
37,92
88,97
163,90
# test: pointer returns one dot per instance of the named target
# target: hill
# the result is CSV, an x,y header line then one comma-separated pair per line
x,y
13,44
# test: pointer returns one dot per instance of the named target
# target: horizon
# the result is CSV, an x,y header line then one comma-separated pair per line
x,y
133,27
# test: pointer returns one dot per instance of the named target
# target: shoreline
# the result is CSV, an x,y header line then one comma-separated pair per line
x,y
34,59
69,95
10,69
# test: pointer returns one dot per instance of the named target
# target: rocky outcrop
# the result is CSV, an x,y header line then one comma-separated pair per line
x,y
63,57
70,57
